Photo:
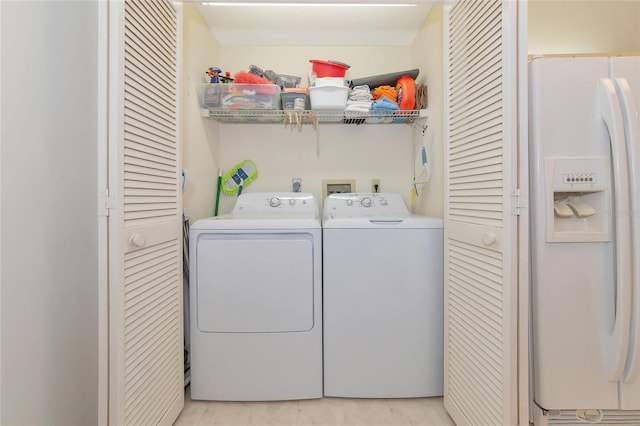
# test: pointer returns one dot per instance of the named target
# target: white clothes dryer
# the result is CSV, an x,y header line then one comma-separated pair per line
x,y
383,298
256,297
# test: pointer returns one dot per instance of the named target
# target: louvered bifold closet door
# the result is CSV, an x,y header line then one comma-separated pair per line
x,y
146,361
480,236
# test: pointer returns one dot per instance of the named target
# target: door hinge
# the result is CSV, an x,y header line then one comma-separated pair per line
x,y
519,202
105,203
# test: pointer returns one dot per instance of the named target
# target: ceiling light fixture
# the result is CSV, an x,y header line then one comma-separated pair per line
x,y
230,3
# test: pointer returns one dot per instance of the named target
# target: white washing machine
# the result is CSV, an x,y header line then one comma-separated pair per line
x,y
383,298
256,297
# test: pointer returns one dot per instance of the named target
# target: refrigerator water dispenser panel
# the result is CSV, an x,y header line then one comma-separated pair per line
x,y
578,199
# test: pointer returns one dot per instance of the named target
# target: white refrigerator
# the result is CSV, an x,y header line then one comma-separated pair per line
x,y
584,154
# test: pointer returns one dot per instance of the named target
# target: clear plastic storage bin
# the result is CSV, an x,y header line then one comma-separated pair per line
x,y
232,96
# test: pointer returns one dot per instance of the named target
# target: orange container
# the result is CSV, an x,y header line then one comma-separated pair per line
x,y
406,88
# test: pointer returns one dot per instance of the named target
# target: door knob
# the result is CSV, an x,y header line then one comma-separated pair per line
x,y
489,238
137,240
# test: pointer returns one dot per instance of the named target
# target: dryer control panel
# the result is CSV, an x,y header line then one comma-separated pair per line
x,y
276,203
365,205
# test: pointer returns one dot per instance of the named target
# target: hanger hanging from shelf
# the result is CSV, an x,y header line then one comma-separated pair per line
x,y
425,173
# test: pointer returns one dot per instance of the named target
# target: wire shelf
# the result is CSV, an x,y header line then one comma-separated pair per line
x,y
300,117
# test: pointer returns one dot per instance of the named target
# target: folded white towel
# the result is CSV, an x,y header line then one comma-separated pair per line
x,y
358,106
360,93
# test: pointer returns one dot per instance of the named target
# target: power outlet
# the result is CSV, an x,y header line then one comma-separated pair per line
x,y
375,185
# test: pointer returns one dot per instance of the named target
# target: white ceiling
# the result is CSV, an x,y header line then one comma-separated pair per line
x,y
313,25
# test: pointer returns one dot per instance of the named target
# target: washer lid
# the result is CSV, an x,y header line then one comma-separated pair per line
x,y
408,222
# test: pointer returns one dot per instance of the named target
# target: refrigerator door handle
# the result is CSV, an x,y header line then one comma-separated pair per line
x,y
631,120
618,340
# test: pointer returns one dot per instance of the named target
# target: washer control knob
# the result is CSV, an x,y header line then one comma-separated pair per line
x,y
366,202
383,202
274,202
292,202
349,202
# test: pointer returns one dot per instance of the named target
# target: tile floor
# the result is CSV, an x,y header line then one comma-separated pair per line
x,y
317,412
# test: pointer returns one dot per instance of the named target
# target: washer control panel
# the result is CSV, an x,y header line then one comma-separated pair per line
x,y
365,205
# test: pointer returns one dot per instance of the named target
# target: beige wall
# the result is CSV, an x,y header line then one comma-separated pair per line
x,y
200,152
355,152
427,53
599,26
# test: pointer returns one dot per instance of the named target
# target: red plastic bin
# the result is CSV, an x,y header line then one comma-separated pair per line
x,y
328,69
